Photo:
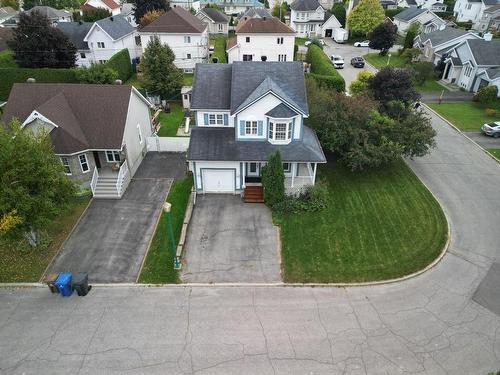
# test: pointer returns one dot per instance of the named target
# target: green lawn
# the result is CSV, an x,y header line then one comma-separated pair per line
x,y
467,116
380,62
7,59
300,41
431,86
21,263
136,82
170,122
219,43
188,79
159,265
379,224
495,152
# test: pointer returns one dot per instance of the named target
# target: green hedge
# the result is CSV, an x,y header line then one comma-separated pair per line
x,y
120,62
322,69
9,76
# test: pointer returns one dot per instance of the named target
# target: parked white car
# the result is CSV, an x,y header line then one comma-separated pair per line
x,y
337,61
492,129
364,43
309,42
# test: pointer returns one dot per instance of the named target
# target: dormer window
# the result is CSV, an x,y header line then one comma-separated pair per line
x,y
280,132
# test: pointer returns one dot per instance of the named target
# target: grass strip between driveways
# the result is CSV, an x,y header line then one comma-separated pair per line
x,y
219,43
21,263
379,225
159,265
467,116
495,152
380,62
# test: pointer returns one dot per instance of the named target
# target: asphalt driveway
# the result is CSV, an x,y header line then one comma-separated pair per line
x,y
484,140
112,236
231,241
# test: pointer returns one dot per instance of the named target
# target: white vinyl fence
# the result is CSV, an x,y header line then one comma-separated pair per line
x,y
167,144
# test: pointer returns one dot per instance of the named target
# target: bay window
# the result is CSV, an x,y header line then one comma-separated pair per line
x,y
280,131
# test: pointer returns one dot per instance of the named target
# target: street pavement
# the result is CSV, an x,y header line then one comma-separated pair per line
x,y
484,140
430,324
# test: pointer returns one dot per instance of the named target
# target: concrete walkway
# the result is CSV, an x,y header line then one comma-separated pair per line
x,y
431,324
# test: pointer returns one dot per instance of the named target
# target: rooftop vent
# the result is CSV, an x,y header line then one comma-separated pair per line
x,y
118,82
31,80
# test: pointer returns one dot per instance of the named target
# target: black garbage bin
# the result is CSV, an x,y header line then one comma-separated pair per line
x,y
81,284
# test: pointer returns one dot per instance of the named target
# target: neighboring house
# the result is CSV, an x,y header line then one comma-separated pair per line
x,y
5,36
184,33
244,113
434,45
76,33
427,20
8,17
218,22
186,4
54,15
111,6
490,20
127,11
98,131
388,4
309,19
474,63
434,5
471,10
233,7
262,39
254,13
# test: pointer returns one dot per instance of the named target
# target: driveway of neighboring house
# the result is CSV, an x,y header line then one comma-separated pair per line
x,y
231,241
111,239
484,140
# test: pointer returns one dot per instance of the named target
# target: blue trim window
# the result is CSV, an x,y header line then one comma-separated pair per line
x,y
216,119
251,128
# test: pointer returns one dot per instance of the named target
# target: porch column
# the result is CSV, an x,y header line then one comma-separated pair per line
x,y
244,174
294,167
314,173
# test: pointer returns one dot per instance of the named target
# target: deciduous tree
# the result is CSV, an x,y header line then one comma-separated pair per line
x,y
360,85
383,37
150,16
393,84
96,14
365,16
279,11
338,10
141,7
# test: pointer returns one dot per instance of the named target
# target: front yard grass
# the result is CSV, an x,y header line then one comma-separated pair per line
x,y
379,225
300,41
21,263
467,116
170,122
380,62
495,152
219,43
430,86
159,264
7,59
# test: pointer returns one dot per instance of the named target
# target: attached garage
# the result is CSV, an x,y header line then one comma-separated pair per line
x,y
218,180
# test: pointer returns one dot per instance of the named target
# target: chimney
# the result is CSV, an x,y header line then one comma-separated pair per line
x,y
118,82
264,18
246,18
488,37
31,80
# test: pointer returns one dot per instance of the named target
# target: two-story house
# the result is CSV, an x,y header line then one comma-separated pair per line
x,y
184,33
309,19
262,39
436,44
474,63
218,22
233,7
490,20
434,5
98,131
54,15
427,20
76,33
111,6
471,10
254,13
245,112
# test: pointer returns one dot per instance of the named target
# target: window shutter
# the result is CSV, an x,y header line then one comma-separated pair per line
x,y
259,128
293,128
226,119
242,127
205,116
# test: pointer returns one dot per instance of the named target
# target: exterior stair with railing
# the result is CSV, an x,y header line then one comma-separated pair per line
x,y
106,188
110,187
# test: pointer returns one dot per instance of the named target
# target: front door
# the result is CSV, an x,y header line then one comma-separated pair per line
x,y
96,159
253,170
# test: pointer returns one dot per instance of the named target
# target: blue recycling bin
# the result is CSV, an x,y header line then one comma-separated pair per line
x,y
63,283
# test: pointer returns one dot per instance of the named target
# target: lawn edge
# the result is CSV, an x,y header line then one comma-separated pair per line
x,y
65,240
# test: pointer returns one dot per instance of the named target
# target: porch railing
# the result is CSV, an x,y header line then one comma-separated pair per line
x,y
123,178
93,183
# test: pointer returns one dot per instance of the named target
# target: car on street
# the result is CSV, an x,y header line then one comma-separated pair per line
x,y
492,129
358,62
337,61
364,43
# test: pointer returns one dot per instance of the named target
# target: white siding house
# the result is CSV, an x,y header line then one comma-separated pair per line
x,y
218,22
111,6
427,20
472,10
310,19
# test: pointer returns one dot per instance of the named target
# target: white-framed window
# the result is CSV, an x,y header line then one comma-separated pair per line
x,y
287,167
187,39
188,56
221,26
65,163
84,164
271,130
112,156
100,45
216,119
250,127
280,131
282,57
280,40
139,133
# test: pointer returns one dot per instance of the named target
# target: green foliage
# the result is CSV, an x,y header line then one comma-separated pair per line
x,y
360,85
9,3
411,33
391,84
33,184
338,10
492,112
37,44
465,25
273,180
9,76
392,12
365,16
213,6
57,4
322,69
7,59
423,71
279,11
487,95
97,74
120,62
219,43
95,14
141,7
313,199
383,37
160,75
410,55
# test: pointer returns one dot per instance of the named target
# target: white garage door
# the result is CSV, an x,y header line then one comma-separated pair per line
x,y
218,181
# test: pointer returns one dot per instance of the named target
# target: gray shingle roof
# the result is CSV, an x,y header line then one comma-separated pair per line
x,y
76,32
281,111
215,15
409,13
285,78
212,86
303,5
456,61
255,12
116,26
49,12
491,2
442,36
493,73
219,144
485,52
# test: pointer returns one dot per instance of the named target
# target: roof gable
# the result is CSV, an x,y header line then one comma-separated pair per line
x,y
485,52
116,27
305,5
176,20
214,15
263,25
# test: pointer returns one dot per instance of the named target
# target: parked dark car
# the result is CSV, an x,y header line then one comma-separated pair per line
x,y
358,62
